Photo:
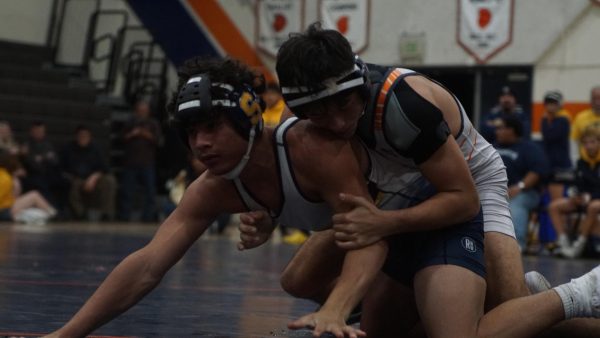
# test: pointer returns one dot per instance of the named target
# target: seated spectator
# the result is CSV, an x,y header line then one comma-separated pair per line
x,y
42,166
93,188
507,106
585,197
526,167
11,147
585,118
556,125
30,207
141,137
274,105
7,141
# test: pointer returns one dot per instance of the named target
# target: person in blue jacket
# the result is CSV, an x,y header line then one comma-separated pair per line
x,y
526,167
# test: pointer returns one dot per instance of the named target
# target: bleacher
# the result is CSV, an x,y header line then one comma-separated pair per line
x,y
33,89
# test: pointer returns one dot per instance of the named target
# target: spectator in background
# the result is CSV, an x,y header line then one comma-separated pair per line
x,y
585,118
556,125
526,167
142,136
30,207
7,141
274,105
507,106
585,196
93,189
11,147
42,165
271,116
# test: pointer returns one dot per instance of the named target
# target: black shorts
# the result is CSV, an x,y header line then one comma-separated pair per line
x,y
460,245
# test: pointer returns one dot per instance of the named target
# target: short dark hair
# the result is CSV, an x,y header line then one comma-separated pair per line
x,y
513,122
308,58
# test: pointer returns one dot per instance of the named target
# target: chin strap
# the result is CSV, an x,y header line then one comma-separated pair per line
x,y
235,172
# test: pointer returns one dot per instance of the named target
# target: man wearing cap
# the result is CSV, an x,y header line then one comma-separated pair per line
x,y
556,125
507,105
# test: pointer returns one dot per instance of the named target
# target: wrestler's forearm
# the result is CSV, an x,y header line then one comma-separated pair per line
x,y
359,271
442,210
124,287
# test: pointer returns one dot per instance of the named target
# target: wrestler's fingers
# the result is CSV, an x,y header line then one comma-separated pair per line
x,y
247,238
249,229
343,236
340,218
247,218
348,245
302,323
357,201
354,333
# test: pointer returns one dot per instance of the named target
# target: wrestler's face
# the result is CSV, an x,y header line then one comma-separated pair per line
x,y
217,145
338,114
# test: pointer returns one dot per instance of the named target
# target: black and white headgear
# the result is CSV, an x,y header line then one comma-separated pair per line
x,y
241,105
357,77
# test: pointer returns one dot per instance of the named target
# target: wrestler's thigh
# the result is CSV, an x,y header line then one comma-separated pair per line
x,y
449,300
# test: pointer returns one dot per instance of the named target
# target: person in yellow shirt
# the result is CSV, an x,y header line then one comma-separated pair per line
x,y
13,205
585,118
274,104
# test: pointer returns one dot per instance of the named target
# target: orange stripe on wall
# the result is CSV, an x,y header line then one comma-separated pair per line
x,y
227,34
538,110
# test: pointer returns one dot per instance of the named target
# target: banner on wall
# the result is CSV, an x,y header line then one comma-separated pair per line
x,y
349,17
275,20
484,27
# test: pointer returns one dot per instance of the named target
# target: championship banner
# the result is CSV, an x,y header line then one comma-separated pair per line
x,y
349,17
275,20
484,27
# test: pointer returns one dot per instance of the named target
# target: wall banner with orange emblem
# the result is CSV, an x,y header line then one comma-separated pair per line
x,y
275,20
349,17
484,27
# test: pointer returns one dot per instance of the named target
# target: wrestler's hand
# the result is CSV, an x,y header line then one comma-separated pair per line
x,y
255,229
360,227
323,321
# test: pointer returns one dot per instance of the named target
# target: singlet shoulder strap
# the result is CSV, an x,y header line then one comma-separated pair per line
x,y
250,202
281,129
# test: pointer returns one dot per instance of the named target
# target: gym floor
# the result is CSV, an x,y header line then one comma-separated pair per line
x,y
47,272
